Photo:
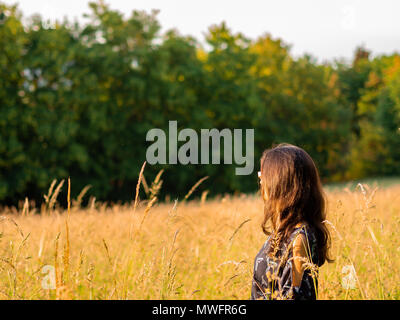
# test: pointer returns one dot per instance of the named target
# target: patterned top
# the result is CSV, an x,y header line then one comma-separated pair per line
x,y
274,282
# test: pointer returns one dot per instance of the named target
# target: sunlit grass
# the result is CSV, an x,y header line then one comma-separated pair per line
x,y
189,250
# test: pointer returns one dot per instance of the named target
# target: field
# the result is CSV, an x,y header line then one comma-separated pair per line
x,y
201,249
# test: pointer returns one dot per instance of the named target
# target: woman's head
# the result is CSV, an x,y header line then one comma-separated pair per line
x,y
292,193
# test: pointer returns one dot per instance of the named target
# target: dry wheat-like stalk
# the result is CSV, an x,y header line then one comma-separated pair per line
x,y
56,266
113,267
107,252
237,229
4,218
50,191
145,185
67,244
146,211
235,263
136,198
156,185
138,186
78,201
54,196
92,203
204,196
25,209
194,188
41,245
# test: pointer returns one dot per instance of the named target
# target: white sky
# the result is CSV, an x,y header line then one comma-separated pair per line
x,y
326,29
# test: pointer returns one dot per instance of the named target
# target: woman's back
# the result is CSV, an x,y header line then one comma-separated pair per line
x,y
273,277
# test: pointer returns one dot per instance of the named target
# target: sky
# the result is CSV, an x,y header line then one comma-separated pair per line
x,y
326,29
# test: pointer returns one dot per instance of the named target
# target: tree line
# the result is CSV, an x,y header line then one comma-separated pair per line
x,y
77,99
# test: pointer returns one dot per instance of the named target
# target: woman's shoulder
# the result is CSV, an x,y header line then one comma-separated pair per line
x,y
305,235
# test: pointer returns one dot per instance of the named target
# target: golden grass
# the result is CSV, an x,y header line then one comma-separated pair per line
x,y
188,250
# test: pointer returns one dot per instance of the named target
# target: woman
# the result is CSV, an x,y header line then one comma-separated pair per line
x,y
294,206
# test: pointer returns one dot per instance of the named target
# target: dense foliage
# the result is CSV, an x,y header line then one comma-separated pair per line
x,y
77,99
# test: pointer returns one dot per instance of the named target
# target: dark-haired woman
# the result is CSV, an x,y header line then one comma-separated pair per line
x,y
294,212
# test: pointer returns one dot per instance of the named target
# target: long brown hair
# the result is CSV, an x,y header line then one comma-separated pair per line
x,y
293,194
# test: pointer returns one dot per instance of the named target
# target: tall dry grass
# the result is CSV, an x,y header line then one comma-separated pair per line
x,y
186,249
